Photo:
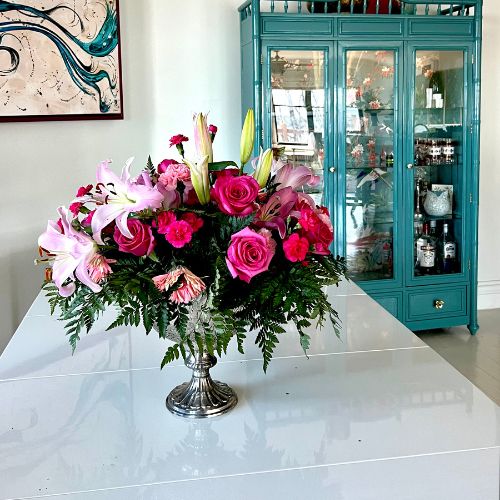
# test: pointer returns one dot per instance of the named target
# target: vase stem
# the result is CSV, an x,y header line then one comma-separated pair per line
x,y
201,397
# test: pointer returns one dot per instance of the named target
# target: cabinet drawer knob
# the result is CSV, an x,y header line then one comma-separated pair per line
x,y
409,166
439,304
332,170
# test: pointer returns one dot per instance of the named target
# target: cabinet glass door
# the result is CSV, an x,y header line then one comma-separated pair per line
x,y
297,104
439,159
370,157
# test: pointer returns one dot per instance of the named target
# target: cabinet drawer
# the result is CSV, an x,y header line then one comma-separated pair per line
x,y
436,303
391,303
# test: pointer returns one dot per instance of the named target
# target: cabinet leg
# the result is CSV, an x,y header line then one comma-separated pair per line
x,y
473,328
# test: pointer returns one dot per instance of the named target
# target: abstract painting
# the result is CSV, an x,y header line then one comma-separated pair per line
x,y
60,59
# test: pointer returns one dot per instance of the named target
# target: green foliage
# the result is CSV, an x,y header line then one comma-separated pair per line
x,y
287,293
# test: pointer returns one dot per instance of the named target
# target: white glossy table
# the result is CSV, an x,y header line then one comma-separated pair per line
x,y
376,415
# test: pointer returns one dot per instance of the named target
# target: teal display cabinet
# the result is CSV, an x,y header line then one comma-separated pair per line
x,y
381,99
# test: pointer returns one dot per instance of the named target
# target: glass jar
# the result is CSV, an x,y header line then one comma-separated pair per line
x,y
448,153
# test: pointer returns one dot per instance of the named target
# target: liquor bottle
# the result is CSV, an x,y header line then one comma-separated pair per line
x,y
418,216
389,161
428,259
448,251
434,241
422,241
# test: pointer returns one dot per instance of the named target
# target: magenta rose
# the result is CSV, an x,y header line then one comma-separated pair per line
x,y
250,253
236,195
142,241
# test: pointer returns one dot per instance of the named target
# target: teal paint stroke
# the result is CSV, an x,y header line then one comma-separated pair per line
x,y
83,75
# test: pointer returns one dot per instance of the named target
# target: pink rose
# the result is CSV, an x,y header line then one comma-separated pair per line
x,y
295,247
236,195
179,233
250,253
142,241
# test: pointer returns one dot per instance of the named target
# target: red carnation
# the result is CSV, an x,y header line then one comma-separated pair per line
x,y
84,190
178,139
193,220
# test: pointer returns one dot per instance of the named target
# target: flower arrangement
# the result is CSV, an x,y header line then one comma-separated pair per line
x,y
242,251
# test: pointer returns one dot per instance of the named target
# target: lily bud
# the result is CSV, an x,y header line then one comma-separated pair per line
x,y
202,139
263,168
247,137
199,178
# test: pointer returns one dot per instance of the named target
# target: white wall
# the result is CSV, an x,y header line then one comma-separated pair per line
x,y
178,57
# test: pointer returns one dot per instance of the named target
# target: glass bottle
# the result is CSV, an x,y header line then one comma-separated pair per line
x,y
389,161
422,241
428,259
448,251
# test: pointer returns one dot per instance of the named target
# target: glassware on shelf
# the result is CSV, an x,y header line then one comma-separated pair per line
x,y
369,155
298,110
448,152
437,203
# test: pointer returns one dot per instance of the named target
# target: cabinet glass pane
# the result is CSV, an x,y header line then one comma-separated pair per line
x,y
298,110
369,157
438,179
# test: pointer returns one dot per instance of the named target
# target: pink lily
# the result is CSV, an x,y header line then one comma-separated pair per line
x,y
119,197
71,251
295,177
274,212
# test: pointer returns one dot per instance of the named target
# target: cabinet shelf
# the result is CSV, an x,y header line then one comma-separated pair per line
x,y
373,214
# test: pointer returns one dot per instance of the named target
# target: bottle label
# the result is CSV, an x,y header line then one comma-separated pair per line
x,y
427,258
450,250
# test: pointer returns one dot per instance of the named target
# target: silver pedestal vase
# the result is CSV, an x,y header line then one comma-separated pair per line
x,y
201,397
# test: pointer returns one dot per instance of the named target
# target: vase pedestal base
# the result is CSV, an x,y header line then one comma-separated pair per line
x,y
201,397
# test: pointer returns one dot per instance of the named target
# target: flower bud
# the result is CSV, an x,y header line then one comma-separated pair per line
x,y
247,137
263,169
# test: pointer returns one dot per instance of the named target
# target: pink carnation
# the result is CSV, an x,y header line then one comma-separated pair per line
x,y
174,173
164,164
179,233
164,220
296,248
250,253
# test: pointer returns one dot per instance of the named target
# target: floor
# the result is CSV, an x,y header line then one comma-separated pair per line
x,y
476,357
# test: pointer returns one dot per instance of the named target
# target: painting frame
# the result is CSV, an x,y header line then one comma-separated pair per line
x,y
118,115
